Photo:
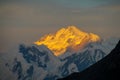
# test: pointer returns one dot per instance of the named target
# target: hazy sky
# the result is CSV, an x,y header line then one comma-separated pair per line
x,y
24,21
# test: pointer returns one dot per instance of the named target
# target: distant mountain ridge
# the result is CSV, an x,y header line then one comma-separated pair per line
x,y
106,69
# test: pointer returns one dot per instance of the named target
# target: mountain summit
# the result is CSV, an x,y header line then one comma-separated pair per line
x,y
67,38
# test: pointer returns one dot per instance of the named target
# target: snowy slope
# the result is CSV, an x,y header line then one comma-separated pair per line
x,y
39,63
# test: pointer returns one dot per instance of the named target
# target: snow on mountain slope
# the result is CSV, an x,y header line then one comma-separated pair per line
x,y
39,63
58,55
106,69
70,38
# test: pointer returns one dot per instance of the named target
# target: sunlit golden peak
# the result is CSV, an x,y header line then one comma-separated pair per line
x,y
67,38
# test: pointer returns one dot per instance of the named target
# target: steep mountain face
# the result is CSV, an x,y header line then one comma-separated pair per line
x,y
70,37
58,55
106,69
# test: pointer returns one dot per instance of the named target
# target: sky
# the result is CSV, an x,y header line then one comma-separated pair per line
x,y
25,21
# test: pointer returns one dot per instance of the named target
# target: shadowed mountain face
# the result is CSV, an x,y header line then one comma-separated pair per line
x,y
106,69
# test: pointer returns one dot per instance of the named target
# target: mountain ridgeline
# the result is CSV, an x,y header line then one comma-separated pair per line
x,y
59,54
106,69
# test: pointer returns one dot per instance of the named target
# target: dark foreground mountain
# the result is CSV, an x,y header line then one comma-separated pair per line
x,y
106,69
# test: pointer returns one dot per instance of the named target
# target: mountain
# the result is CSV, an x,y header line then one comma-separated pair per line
x,y
39,62
76,51
70,38
106,69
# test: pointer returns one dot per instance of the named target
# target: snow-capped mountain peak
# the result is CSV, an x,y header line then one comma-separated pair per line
x,y
70,37
39,62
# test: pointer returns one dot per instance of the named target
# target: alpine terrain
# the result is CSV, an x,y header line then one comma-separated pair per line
x,y
106,69
57,55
